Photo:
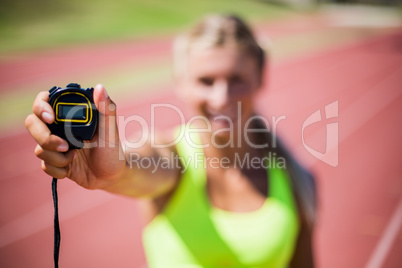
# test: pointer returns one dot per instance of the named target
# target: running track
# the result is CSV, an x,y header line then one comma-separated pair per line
x,y
360,199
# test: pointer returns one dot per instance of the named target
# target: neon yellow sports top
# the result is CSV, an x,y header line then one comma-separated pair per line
x,y
190,232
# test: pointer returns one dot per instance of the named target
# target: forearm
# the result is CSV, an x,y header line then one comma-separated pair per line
x,y
147,180
139,184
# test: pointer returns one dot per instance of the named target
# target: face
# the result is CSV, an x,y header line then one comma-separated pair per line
x,y
220,84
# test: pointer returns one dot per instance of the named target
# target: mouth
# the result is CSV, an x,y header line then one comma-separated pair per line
x,y
222,118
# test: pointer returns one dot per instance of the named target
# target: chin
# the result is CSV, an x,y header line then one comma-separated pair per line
x,y
223,132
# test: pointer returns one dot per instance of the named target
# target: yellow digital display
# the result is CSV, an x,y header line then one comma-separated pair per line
x,y
72,112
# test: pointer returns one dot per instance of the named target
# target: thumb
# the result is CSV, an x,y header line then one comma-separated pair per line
x,y
107,131
103,102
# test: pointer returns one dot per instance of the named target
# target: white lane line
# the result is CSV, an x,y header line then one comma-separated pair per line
x,y
384,245
36,220
358,114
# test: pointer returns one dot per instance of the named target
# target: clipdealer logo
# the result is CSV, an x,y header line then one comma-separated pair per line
x,y
147,131
331,154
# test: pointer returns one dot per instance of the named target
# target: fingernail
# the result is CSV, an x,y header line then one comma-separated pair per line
x,y
106,95
47,117
62,147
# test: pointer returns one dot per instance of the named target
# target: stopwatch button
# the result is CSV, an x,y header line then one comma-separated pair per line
x,y
74,85
52,90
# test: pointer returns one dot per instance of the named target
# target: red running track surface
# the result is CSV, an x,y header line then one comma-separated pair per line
x,y
360,199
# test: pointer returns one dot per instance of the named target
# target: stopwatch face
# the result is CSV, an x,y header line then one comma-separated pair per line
x,y
75,114
71,112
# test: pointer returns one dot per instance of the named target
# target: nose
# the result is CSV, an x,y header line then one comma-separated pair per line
x,y
220,96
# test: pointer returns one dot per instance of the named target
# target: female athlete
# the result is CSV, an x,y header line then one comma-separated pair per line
x,y
230,194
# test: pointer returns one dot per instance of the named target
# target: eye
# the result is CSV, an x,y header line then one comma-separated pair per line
x,y
236,79
206,81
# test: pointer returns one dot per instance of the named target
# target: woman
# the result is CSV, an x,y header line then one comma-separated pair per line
x,y
213,209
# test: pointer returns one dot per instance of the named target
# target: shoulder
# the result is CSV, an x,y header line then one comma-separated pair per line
x,y
303,184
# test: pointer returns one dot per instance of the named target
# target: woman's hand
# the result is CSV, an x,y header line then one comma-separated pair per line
x,y
93,168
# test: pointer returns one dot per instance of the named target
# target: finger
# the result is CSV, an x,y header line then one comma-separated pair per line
x,y
55,172
55,158
41,133
103,102
42,109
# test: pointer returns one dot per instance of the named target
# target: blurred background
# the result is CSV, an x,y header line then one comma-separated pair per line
x,y
320,52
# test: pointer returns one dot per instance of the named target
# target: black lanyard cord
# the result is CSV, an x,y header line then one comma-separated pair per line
x,y
56,248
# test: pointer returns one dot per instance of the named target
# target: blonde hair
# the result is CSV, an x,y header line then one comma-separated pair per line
x,y
217,31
